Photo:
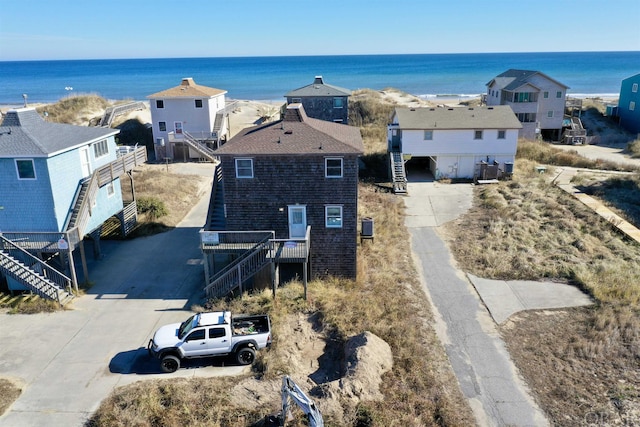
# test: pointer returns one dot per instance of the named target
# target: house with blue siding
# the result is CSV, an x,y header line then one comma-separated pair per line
x,y
58,183
629,104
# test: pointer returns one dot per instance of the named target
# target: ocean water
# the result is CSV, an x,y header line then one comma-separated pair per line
x,y
269,78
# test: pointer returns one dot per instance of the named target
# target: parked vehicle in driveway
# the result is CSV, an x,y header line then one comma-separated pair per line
x,y
210,334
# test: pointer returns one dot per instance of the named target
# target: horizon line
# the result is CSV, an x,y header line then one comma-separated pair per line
x,y
318,55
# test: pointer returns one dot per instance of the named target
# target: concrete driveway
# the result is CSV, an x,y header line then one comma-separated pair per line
x,y
486,375
68,362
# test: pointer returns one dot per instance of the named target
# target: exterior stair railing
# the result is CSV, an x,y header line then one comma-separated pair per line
x,y
200,147
243,268
35,274
215,215
398,174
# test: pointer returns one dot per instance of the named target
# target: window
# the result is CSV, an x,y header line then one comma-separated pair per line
x,y
217,333
100,148
632,106
634,87
337,102
296,100
333,167
338,121
428,135
110,190
525,97
198,103
550,113
26,169
162,126
526,117
559,94
159,103
545,94
196,335
502,134
333,216
244,168
477,134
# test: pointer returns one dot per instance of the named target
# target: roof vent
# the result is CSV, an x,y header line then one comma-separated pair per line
x,y
288,132
489,108
432,109
450,109
318,80
470,108
412,109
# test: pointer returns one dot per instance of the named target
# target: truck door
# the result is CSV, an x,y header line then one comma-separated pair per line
x,y
195,343
219,340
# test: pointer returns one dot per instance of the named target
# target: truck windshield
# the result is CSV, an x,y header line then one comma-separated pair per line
x,y
186,326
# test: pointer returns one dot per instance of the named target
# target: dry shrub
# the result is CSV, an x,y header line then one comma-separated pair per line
x,y
77,110
528,229
544,153
173,403
634,148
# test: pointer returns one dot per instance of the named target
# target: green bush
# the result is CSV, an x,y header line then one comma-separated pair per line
x,y
153,207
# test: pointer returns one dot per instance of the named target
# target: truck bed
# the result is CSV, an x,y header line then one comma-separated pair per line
x,y
249,325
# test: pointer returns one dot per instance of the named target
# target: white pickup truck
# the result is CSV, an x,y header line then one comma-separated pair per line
x,y
210,334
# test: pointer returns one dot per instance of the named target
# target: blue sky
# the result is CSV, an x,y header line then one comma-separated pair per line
x,y
74,29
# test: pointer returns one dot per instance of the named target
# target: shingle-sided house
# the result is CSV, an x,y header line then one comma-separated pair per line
x,y
297,177
57,181
537,100
188,121
322,101
629,104
453,142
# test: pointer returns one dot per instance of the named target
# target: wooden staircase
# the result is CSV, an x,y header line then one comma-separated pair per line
x,y
199,147
218,124
216,216
34,274
240,270
398,174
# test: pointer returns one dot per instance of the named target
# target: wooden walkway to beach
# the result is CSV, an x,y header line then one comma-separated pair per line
x,y
563,181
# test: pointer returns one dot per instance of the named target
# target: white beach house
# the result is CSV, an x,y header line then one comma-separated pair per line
x,y
454,142
187,112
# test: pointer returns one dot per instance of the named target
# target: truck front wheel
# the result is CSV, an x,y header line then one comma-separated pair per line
x,y
246,356
169,363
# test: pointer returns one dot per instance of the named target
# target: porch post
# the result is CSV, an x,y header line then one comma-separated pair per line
x,y
83,258
304,278
72,266
273,278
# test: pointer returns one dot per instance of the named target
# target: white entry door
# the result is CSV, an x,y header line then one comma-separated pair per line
x,y
177,127
297,221
85,161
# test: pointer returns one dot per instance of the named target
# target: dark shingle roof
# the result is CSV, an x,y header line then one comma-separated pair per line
x,y
24,133
512,79
496,117
318,88
296,134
